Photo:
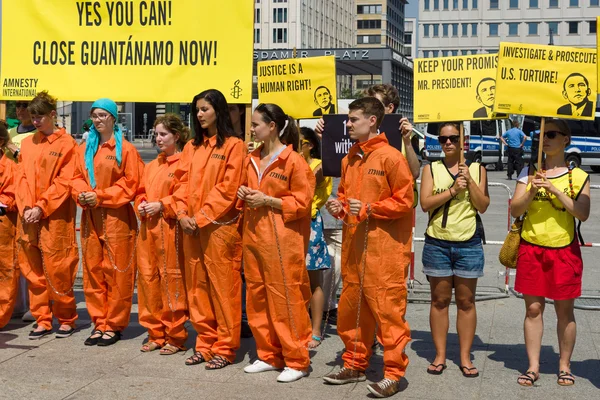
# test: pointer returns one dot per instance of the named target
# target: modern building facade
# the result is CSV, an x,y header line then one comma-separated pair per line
x,y
460,27
380,23
304,24
410,37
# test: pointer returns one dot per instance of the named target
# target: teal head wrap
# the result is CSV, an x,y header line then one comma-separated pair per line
x,y
91,145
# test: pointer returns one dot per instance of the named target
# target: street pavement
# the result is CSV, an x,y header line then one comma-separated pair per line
x,y
52,368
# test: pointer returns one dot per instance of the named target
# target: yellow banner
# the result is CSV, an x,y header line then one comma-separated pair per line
x,y
455,88
546,81
146,51
302,87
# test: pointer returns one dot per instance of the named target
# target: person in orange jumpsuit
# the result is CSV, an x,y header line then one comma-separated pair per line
x,y
375,195
49,256
9,266
277,193
108,170
210,173
162,306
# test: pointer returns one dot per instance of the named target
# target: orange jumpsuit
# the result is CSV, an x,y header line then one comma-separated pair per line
x,y
377,174
9,266
279,340
49,256
210,178
108,233
162,307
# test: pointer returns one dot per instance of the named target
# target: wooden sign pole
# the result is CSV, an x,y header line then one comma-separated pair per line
x,y
248,122
541,145
462,143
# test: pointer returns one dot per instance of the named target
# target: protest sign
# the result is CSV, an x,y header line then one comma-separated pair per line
x,y
598,48
546,81
336,141
147,51
303,87
455,88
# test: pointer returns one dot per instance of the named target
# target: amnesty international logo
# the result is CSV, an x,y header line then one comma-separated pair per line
x,y
236,91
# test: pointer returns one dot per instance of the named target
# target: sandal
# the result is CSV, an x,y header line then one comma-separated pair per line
x,y
566,377
195,359
217,362
149,346
315,342
169,349
436,370
528,378
465,371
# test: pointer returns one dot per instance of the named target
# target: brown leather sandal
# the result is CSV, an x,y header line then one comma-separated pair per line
x,y
217,362
195,359
149,346
168,349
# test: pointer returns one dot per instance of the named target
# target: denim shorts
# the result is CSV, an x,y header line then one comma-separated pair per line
x,y
464,262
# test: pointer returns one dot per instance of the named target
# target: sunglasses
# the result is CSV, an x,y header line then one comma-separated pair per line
x,y
552,134
21,105
453,139
304,141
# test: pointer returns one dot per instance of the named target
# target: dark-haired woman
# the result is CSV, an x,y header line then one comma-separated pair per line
x,y
549,265
210,173
453,193
317,258
108,171
277,191
162,306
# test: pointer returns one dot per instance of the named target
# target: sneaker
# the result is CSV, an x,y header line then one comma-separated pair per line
x,y
259,366
64,333
33,335
384,388
345,375
290,375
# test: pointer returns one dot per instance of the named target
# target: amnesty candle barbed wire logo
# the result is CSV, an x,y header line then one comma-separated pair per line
x,y
236,91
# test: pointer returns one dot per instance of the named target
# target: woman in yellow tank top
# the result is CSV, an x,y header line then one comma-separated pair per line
x,y
317,258
453,194
549,264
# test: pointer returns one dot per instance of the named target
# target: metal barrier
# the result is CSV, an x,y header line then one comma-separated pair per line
x,y
483,293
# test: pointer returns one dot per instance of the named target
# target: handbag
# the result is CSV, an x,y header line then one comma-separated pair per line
x,y
510,248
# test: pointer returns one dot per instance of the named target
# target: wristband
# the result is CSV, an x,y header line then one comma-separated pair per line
x,y
451,194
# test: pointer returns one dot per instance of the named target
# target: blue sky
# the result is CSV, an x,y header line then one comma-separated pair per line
x,y
412,9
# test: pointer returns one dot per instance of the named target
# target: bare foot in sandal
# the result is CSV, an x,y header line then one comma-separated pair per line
x,y
528,378
314,342
195,359
149,346
217,362
565,378
169,349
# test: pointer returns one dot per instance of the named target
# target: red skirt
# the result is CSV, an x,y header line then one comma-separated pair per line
x,y
547,272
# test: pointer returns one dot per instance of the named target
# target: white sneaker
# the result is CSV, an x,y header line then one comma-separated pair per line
x,y
290,375
258,366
